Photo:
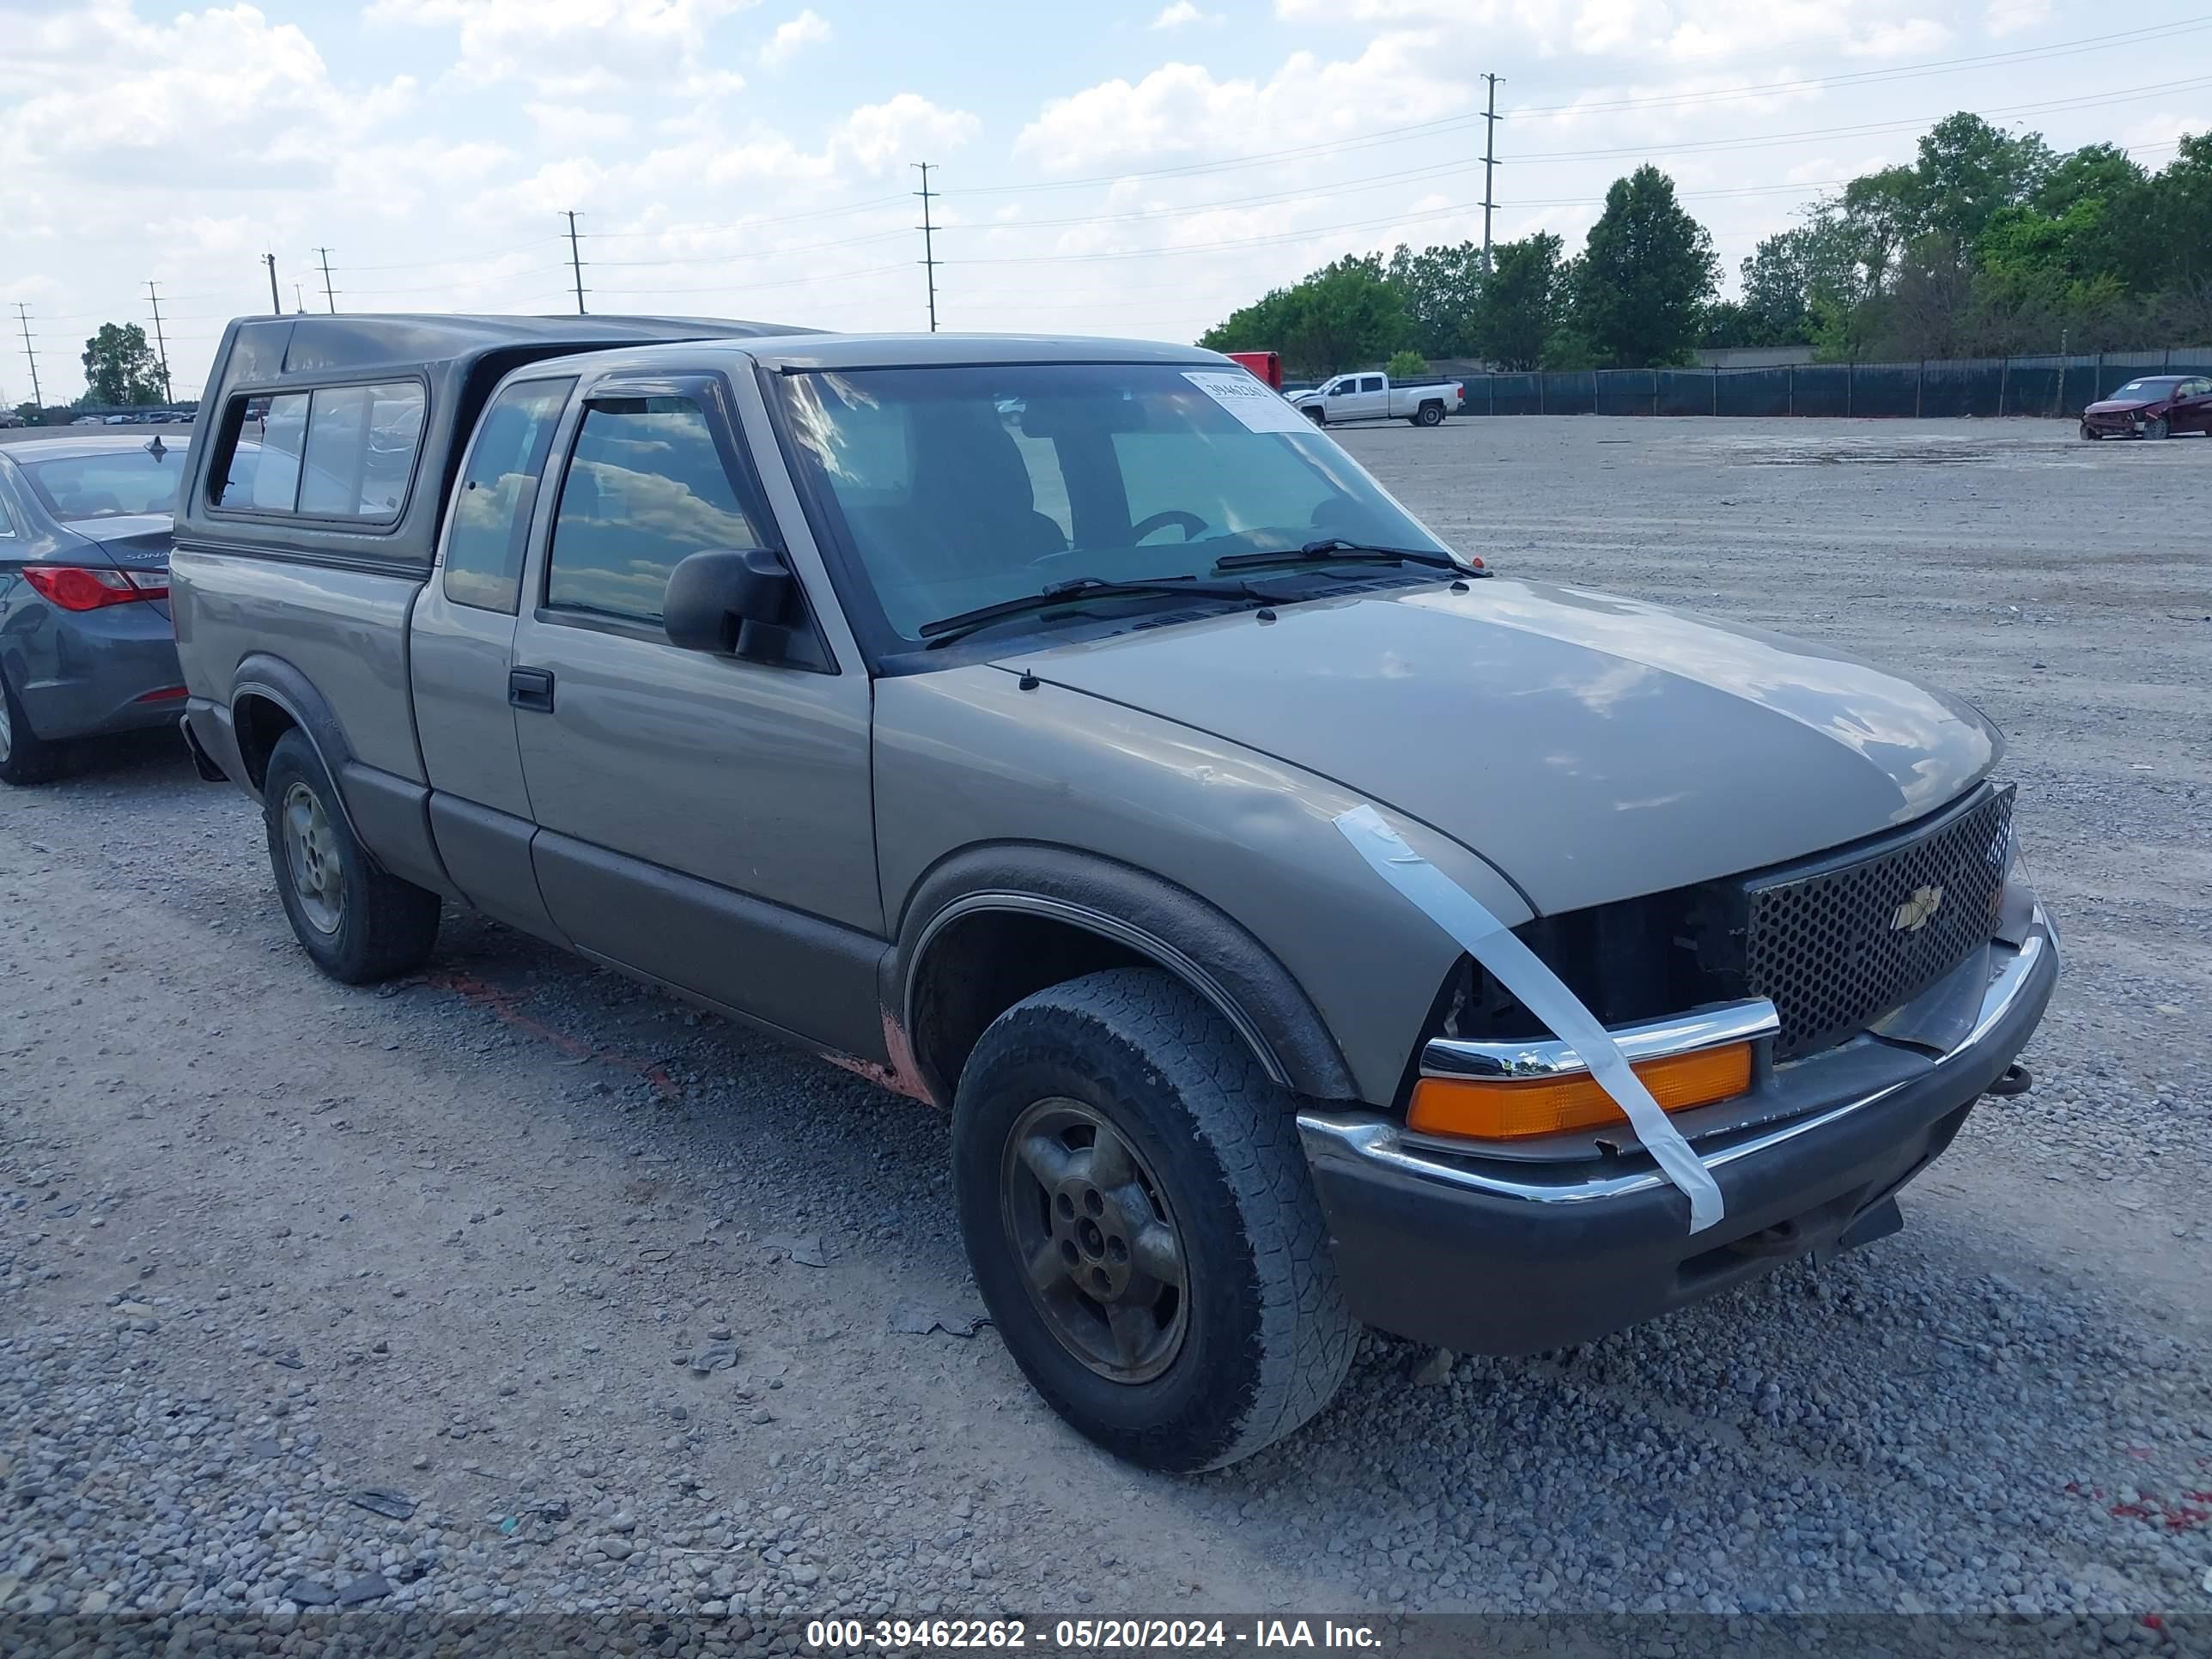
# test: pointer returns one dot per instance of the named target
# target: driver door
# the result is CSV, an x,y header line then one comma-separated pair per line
x,y
1367,400
2193,409
706,819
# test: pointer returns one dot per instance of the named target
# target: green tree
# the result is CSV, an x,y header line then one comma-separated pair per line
x,y
1343,315
1521,303
1645,276
1441,287
1969,171
1406,365
2180,214
1790,272
119,367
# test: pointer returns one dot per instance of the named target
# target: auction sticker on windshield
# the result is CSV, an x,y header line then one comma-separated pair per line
x,y
1249,401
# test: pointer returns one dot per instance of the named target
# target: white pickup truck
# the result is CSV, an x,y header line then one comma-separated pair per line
x,y
1373,397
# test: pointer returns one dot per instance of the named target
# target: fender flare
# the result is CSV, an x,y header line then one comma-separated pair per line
x,y
1169,924
262,675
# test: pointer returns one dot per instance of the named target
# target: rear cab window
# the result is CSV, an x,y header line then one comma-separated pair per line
x,y
339,453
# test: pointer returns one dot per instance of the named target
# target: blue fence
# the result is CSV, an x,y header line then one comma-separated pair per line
x,y
2049,386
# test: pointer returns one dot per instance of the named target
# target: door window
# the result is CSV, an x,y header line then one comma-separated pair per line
x,y
1371,383
491,516
645,489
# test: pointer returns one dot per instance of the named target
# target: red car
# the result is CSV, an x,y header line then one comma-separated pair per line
x,y
2153,406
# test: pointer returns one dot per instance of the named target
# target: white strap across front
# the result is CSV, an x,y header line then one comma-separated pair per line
x,y
1521,971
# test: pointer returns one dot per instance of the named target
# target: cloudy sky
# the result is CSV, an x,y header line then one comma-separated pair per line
x,y
1107,169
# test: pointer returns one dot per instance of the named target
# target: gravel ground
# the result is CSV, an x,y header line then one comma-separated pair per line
x,y
518,1288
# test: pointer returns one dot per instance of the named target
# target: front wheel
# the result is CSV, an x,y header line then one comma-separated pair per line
x,y
360,923
1317,415
1142,1225
1429,415
2157,428
2089,433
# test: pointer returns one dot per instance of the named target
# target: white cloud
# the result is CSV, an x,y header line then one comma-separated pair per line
x,y
1181,14
1913,37
905,128
566,48
573,124
1180,108
2012,16
809,28
1682,31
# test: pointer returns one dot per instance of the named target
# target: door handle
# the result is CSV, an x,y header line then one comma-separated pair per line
x,y
530,687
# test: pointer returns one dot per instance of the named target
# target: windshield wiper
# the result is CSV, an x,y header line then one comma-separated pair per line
x,y
1334,550
945,629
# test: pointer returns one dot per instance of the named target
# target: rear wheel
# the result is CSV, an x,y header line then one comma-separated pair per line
x,y
25,757
1429,415
1142,1225
2157,428
360,924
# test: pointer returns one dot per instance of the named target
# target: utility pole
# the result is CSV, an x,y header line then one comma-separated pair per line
x,y
329,297
298,303
575,262
160,345
37,397
276,305
1489,163
928,244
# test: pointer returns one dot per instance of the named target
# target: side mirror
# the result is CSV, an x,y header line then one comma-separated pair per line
x,y
736,603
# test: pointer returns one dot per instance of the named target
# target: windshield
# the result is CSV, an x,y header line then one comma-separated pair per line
x,y
110,484
2145,389
963,487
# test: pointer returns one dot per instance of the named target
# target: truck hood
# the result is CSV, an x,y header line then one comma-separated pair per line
x,y
1590,747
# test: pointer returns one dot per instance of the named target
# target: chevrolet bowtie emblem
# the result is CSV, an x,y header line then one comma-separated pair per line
x,y
1913,915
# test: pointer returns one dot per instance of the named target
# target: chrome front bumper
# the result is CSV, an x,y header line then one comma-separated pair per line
x,y
1334,1137
1450,1244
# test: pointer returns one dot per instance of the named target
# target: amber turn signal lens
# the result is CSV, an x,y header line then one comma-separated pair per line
x,y
1513,1109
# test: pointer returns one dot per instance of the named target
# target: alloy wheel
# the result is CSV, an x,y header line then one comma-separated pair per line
x,y
311,849
1100,1251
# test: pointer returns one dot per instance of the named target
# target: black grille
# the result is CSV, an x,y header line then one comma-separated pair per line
x,y
1836,948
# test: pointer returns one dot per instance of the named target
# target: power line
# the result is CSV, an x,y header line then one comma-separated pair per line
x,y
1446,169
809,280
928,246
457,259
575,263
750,224
1423,129
754,253
1862,77
38,397
160,345
330,298
1489,165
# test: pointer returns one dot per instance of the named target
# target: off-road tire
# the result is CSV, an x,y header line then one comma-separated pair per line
x,y
29,757
1268,1340
387,927
1429,414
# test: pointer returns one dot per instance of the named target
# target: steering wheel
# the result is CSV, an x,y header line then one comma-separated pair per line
x,y
1189,523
